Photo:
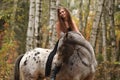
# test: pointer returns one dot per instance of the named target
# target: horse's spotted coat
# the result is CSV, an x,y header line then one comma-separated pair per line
x,y
73,53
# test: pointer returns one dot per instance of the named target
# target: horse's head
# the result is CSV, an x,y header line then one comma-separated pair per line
x,y
73,37
76,39
67,43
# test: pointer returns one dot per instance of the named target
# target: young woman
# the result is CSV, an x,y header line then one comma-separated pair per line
x,y
65,22
63,25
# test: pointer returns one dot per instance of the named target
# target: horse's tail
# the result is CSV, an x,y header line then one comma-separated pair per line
x,y
16,68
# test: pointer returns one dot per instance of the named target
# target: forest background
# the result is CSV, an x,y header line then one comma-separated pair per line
x,y
26,24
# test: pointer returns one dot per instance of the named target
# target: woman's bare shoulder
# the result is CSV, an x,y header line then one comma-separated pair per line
x,y
73,21
57,24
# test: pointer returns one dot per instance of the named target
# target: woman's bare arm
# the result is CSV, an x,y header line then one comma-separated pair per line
x,y
58,30
75,26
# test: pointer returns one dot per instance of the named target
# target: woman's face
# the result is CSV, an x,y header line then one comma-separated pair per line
x,y
62,13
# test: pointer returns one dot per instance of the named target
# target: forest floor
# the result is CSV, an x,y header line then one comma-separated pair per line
x,y
105,70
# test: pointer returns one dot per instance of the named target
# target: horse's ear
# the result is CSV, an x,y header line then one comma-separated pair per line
x,y
66,35
62,34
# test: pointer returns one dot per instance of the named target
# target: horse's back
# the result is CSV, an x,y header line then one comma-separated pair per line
x,y
33,62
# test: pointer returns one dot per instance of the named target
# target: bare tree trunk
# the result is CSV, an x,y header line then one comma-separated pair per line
x,y
99,41
52,23
96,23
81,16
37,39
31,24
72,3
87,10
112,29
14,14
57,3
118,51
68,3
104,34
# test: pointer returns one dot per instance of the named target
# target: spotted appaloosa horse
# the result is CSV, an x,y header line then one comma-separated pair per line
x,y
79,61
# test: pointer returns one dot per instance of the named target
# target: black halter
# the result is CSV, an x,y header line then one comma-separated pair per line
x,y
69,29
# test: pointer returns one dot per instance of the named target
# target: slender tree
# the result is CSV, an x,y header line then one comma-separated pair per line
x,y
57,3
38,11
112,29
52,23
87,10
14,14
104,34
96,23
31,24
98,45
80,15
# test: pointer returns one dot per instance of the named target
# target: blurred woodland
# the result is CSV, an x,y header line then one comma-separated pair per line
x,y
26,24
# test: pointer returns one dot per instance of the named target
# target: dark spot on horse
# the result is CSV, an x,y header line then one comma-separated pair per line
x,y
71,68
71,63
38,57
36,61
37,53
71,37
34,58
25,63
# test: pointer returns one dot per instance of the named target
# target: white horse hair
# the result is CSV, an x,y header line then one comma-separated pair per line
x,y
79,60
